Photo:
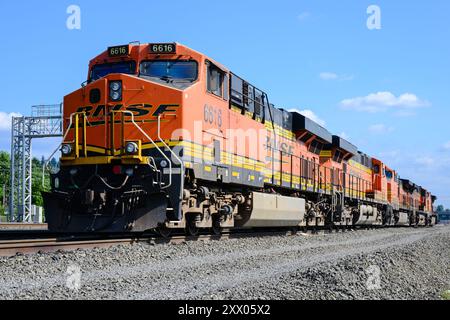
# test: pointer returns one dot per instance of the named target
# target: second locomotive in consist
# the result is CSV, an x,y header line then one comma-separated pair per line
x,y
162,137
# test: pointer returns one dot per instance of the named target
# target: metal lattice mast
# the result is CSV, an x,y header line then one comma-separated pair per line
x,y
45,122
25,214
19,169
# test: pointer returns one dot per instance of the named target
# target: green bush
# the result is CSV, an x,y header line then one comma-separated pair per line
x,y
36,182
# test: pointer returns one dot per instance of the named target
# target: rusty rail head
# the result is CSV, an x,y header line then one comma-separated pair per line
x,y
10,248
13,247
23,226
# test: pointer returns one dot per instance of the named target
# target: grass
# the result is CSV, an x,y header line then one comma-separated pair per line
x,y
3,218
446,295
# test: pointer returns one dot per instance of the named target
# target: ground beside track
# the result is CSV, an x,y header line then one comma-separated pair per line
x,y
413,264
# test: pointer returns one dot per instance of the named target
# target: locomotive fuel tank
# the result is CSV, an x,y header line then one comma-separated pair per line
x,y
272,210
368,215
403,219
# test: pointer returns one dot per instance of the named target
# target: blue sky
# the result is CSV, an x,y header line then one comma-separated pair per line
x,y
386,90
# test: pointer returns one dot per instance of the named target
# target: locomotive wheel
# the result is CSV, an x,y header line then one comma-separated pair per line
x,y
164,232
191,227
216,228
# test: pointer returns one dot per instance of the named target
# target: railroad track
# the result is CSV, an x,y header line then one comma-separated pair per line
x,y
38,242
23,226
33,245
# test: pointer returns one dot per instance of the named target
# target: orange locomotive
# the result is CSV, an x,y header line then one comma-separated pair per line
x,y
161,137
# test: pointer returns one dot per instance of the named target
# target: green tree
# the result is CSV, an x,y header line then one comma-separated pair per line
x,y
36,181
440,208
4,180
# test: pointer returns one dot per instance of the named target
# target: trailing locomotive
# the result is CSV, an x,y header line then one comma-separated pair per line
x,y
161,137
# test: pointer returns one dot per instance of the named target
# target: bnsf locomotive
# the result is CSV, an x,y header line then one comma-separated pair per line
x,y
161,137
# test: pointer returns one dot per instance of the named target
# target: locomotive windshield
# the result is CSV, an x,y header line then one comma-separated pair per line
x,y
102,70
170,70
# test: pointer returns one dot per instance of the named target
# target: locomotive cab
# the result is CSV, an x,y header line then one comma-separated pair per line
x,y
120,167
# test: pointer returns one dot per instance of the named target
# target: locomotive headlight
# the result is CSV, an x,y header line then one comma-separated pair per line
x,y
115,86
115,95
115,90
164,164
131,148
66,149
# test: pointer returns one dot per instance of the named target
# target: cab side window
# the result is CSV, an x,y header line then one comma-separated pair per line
x,y
237,96
376,169
215,81
247,99
259,105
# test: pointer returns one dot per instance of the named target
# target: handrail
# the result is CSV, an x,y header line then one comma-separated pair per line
x,y
173,154
142,131
112,131
59,146
156,146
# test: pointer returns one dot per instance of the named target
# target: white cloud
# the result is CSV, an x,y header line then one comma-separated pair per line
x,y
311,115
446,146
380,129
5,120
392,157
390,154
346,77
384,101
426,161
303,16
327,76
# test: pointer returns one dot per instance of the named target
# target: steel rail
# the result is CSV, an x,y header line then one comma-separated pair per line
x,y
68,242
31,246
13,247
22,226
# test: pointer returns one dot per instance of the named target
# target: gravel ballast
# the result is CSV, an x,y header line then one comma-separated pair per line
x,y
397,263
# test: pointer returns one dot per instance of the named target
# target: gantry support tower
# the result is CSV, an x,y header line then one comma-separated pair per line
x,y
45,122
